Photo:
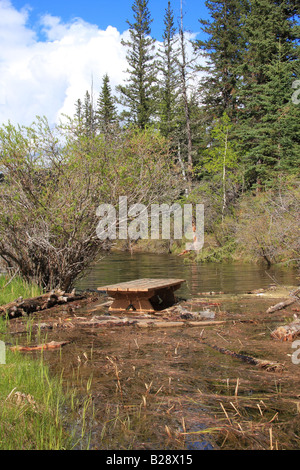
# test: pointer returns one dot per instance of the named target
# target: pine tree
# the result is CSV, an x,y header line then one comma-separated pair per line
x,y
168,69
106,113
138,95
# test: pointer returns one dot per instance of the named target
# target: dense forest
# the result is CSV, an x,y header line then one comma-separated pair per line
x,y
224,133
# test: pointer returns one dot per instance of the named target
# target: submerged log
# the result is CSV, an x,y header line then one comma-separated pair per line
x,y
142,322
294,296
287,332
172,324
262,363
22,307
40,347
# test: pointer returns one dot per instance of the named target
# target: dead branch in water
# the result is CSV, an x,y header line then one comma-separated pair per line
x,y
263,364
294,297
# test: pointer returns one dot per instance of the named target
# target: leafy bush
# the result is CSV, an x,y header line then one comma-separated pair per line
x,y
53,182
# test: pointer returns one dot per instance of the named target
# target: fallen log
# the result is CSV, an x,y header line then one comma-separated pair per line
x,y
262,363
40,347
285,303
287,332
281,305
22,307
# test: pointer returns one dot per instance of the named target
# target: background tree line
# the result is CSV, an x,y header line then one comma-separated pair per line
x,y
251,56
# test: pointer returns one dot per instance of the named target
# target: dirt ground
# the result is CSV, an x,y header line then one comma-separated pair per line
x,y
179,379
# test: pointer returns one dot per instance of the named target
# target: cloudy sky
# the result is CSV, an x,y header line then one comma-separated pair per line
x,y
51,52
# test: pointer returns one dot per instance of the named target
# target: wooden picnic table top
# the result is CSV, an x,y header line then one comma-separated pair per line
x,y
141,285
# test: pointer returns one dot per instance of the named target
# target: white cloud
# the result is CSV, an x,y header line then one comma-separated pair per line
x,y
47,77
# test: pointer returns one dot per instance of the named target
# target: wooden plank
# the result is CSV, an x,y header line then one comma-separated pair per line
x,y
142,285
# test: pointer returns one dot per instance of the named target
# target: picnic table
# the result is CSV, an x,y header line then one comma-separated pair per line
x,y
143,295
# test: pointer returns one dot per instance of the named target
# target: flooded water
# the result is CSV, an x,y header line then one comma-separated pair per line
x,y
169,387
228,278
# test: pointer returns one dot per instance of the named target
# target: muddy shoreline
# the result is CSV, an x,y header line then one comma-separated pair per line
x,y
170,386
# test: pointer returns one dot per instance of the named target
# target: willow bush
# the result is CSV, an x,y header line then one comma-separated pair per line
x,y
53,181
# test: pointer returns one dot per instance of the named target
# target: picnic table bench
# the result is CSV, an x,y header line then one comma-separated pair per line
x,y
143,295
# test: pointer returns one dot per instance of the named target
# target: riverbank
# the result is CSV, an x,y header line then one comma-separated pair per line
x,y
260,227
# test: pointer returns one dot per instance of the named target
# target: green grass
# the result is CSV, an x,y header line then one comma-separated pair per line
x,y
35,411
13,288
32,404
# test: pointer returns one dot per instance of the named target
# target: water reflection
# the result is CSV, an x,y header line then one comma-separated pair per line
x,y
228,278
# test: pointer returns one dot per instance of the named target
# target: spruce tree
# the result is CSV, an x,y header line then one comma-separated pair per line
x,y
106,113
88,115
138,95
78,110
183,64
223,51
169,81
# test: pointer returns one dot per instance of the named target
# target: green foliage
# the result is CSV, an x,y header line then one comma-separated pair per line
x,y
268,137
221,157
220,161
236,132
268,224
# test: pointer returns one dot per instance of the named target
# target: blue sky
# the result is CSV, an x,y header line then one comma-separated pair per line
x,y
113,12
51,52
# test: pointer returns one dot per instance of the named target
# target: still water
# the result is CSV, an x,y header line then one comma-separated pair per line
x,y
225,277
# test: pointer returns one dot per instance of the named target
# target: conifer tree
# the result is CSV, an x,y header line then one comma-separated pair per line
x,y
183,71
78,110
223,51
269,137
138,95
88,115
106,113
169,81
